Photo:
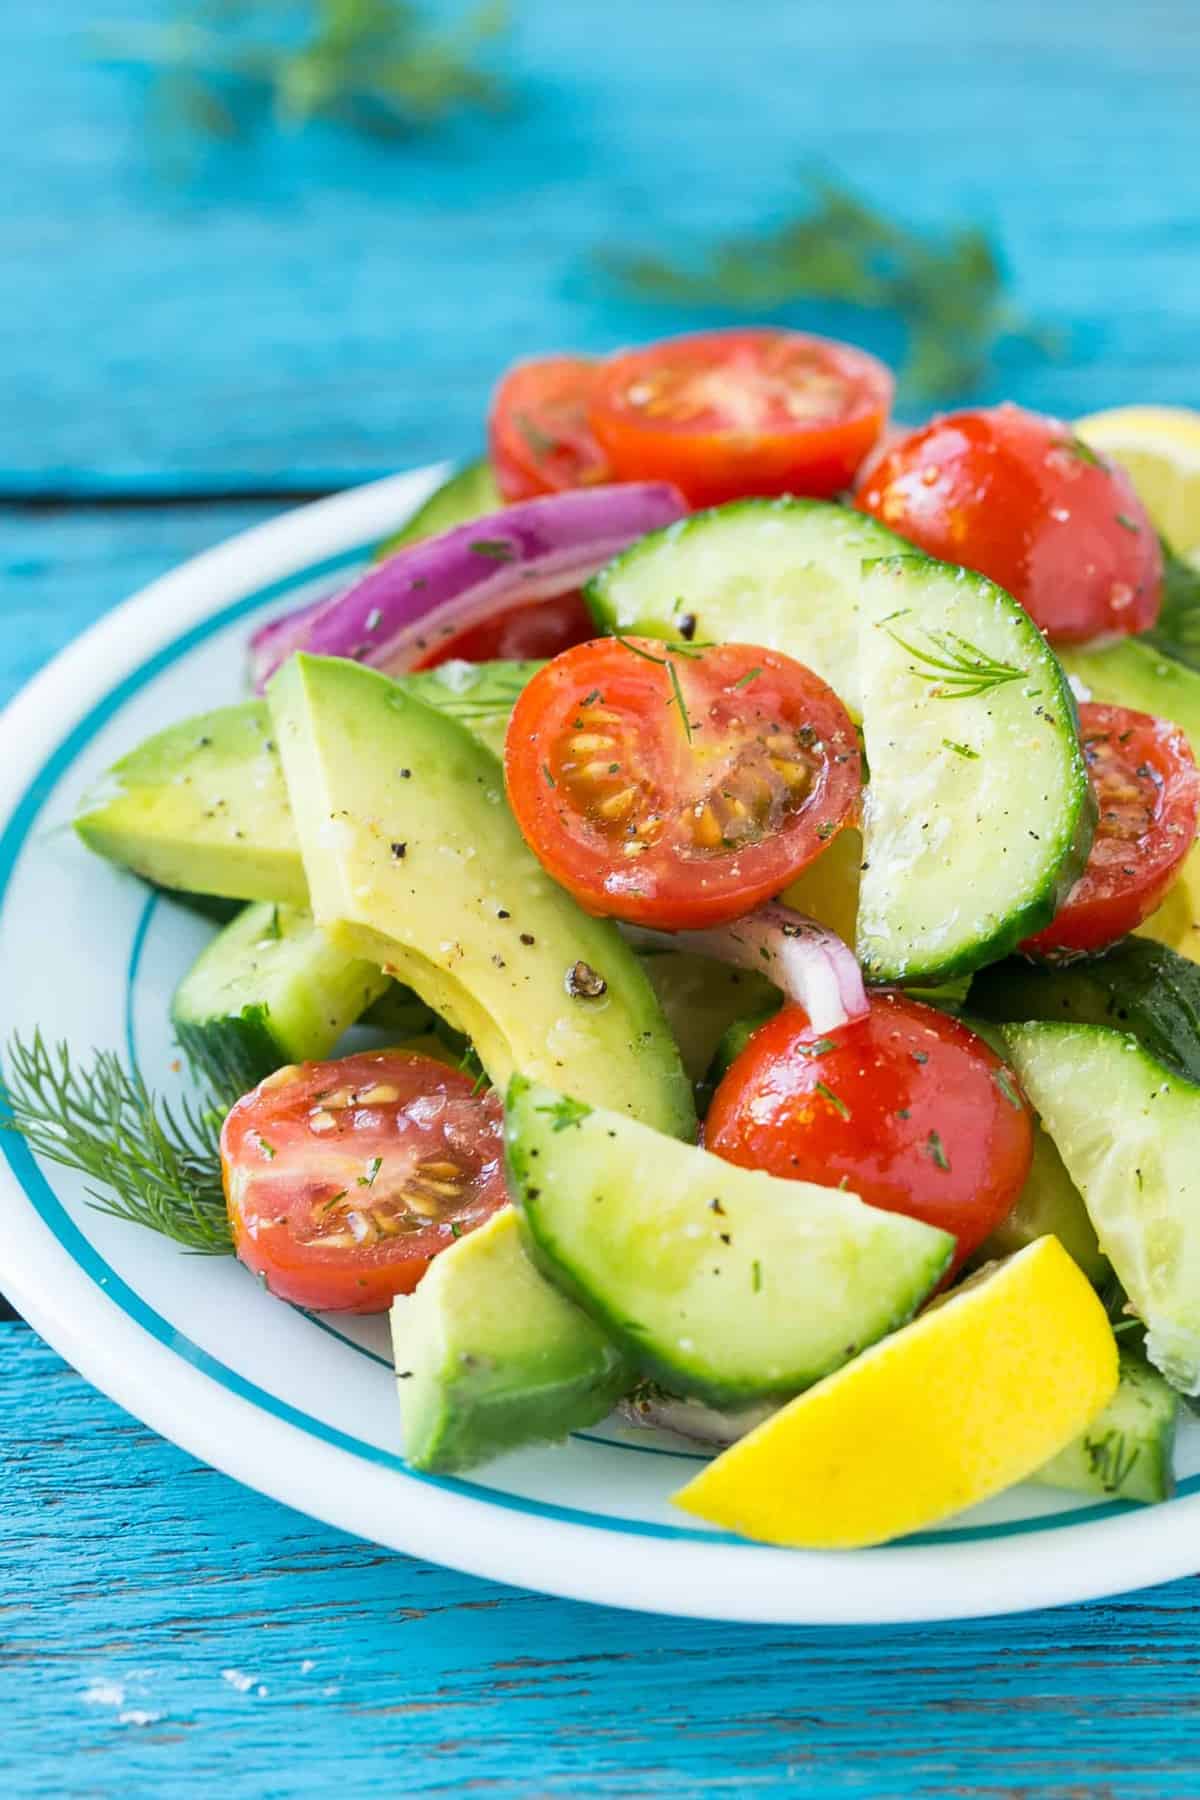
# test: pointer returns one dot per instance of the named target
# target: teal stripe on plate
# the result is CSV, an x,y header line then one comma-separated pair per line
x,y
55,1216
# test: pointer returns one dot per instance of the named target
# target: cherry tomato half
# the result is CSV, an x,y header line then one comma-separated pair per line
x,y
1020,498
729,413
344,1179
906,1107
539,438
678,787
1147,792
530,631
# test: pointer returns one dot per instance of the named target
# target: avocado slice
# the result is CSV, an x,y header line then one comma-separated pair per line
x,y
722,1282
415,861
202,806
490,1356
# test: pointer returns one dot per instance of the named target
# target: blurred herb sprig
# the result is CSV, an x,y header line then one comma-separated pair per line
x,y
225,67
948,290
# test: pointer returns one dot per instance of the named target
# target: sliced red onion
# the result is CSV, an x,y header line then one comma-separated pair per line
x,y
654,1409
808,962
439,587
274,642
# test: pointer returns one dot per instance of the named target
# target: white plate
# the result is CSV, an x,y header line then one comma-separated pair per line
x,y
304,1408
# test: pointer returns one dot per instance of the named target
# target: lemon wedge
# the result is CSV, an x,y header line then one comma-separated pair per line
x,y
976,1394
1160,447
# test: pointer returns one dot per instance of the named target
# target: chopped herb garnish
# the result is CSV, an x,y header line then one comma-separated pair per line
x,y
550,781
1129,524
960,749
565,1112
818,1047
537,440
835,1100
1008,1088
745,680
937,1151
756,1275
673,672
1075,445
373,1168
499,549
268,1150
455,1229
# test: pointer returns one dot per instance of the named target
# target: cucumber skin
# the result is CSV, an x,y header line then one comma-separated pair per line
x,y
233,1053
1040,910
522,1177
1141,1417
1138,986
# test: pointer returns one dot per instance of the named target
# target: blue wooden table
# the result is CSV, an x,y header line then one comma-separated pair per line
x,y
176,358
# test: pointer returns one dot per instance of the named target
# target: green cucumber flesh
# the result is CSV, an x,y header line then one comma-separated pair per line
x,y
978,814
415,862
1137,986
1127,1453
722,1282
202,807
1128,1131
491,1356
784,574
268,990
467,494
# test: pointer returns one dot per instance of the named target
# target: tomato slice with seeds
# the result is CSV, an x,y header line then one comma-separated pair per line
x,y
539,437
530,631
1147,791
907,1108
345,1179
678,786
724,414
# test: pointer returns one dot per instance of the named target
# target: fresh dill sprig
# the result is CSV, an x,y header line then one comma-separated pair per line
x,y
666,662
959,669
155,1165
949,291
224,67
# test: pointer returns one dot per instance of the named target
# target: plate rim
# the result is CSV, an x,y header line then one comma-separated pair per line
x,y
493,1536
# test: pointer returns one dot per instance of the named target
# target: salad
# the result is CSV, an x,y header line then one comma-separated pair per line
x,y
749,845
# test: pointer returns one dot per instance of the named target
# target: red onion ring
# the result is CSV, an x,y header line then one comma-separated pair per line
x,y
808,962
440,586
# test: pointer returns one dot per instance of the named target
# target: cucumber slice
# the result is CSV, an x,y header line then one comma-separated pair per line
x,y
467,494
978,815
1128,1131
781,573
268,990
1127,1453
724,1282
1137,986
489,1356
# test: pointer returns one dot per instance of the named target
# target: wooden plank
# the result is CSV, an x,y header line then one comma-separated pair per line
x,y
317,309
165,1630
